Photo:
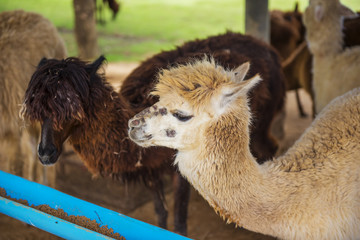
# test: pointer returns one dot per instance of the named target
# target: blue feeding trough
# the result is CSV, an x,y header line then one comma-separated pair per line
x,y
36,194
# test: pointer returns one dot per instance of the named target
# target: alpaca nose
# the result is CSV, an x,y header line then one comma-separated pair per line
x,y
137,130
134,123
47,154
134,128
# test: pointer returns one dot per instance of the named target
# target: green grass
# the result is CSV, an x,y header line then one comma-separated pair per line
x,y
145,27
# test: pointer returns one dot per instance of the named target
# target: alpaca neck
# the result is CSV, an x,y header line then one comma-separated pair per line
x,y
224,171
291,197
107,113
102,140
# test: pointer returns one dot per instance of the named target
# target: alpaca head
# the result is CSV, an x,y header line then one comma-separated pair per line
x,y
320,16
287,31
58,96
319,10
191,97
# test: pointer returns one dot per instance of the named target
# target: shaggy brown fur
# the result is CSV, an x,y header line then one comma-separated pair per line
x,y
229,50
65,92
25,38
72,101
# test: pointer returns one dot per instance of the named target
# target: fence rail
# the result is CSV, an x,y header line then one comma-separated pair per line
x,y
37,194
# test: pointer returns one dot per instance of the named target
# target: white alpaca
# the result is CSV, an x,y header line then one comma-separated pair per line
x,y
25,38
335,68
311,192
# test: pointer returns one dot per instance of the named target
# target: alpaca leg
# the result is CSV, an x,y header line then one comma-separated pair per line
x,y
182,197
9,154
161,211
299,105
4,159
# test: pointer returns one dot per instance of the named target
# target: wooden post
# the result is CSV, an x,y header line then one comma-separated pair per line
x,y
85,29
257,20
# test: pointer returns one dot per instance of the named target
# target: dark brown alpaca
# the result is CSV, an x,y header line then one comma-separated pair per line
x,y
288,34
287,31
72,101
230,50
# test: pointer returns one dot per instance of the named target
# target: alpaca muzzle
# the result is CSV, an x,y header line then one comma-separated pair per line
x,y
138,134
48,155
137,131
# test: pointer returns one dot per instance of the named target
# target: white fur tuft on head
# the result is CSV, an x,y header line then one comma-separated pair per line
x,y
230,93
319,12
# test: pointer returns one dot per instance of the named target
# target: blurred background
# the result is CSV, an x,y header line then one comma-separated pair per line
x,y
127,33
142,28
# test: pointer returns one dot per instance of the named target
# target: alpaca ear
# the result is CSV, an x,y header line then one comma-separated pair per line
x,y
42,62
230,93
296,7
241,71
319,13
93,67
245,86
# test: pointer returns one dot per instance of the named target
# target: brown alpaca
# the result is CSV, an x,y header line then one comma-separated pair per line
x,y
230,50
287,31
25,38
72,101
311,192
287,36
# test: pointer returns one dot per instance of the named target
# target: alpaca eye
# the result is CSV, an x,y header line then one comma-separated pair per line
x,y
182,117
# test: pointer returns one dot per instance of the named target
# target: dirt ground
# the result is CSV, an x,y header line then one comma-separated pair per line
x,y
203,223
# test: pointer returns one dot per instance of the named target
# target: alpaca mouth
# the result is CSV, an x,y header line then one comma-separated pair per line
x,y
48,160
139,136
49,155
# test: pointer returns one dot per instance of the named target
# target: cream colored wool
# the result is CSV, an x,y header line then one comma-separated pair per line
x,y
25,38
335,69
311,192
